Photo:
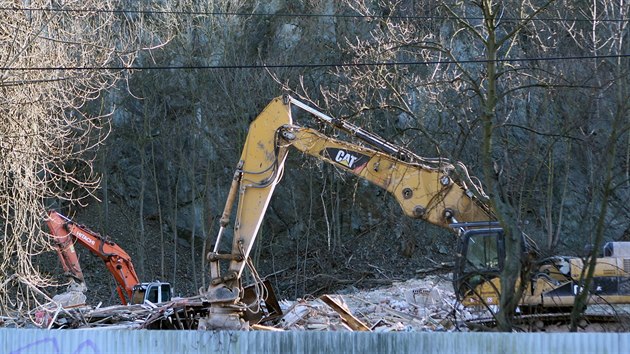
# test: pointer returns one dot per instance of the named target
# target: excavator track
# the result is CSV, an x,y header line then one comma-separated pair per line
x,y
541,322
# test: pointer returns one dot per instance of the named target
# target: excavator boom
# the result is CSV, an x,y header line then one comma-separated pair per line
x,y
426,189
427,192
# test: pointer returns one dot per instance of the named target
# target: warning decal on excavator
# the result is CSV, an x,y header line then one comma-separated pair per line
x,y
348,159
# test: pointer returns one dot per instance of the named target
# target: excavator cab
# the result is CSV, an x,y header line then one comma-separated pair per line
x,y
480,258
480,261
483,251
155,292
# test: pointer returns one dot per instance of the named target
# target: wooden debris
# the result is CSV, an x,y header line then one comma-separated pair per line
x,y
296,313
176,314
416,305
346,315
259,327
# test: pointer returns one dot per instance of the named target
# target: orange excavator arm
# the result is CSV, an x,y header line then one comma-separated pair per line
x,y
65,232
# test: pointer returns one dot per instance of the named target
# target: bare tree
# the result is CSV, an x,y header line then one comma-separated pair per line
x,y
474,82
606,40
466,95
54,62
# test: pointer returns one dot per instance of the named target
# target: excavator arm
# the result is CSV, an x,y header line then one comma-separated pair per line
x,y
423,191
257,173
64,232
427,189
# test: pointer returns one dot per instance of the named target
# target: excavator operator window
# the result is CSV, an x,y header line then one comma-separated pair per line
x,y
483,252
153,294
165,291
138,295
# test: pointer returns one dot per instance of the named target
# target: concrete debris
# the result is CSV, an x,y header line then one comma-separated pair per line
x,y
417,305
70,298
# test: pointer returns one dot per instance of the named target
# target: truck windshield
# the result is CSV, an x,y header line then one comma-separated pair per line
x,y
482,252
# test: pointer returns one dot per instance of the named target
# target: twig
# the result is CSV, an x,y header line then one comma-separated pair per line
x,y
52,321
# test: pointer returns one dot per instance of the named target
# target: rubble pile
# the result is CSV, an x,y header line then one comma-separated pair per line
x,y
415,305
177,314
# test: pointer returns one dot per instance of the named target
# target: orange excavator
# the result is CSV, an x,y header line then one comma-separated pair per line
x,y
65,233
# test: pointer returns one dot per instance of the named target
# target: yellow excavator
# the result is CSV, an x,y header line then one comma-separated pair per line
x,y
434,190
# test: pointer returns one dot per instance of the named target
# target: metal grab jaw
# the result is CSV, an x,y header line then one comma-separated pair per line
x,y
223,318
223,312
220,292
